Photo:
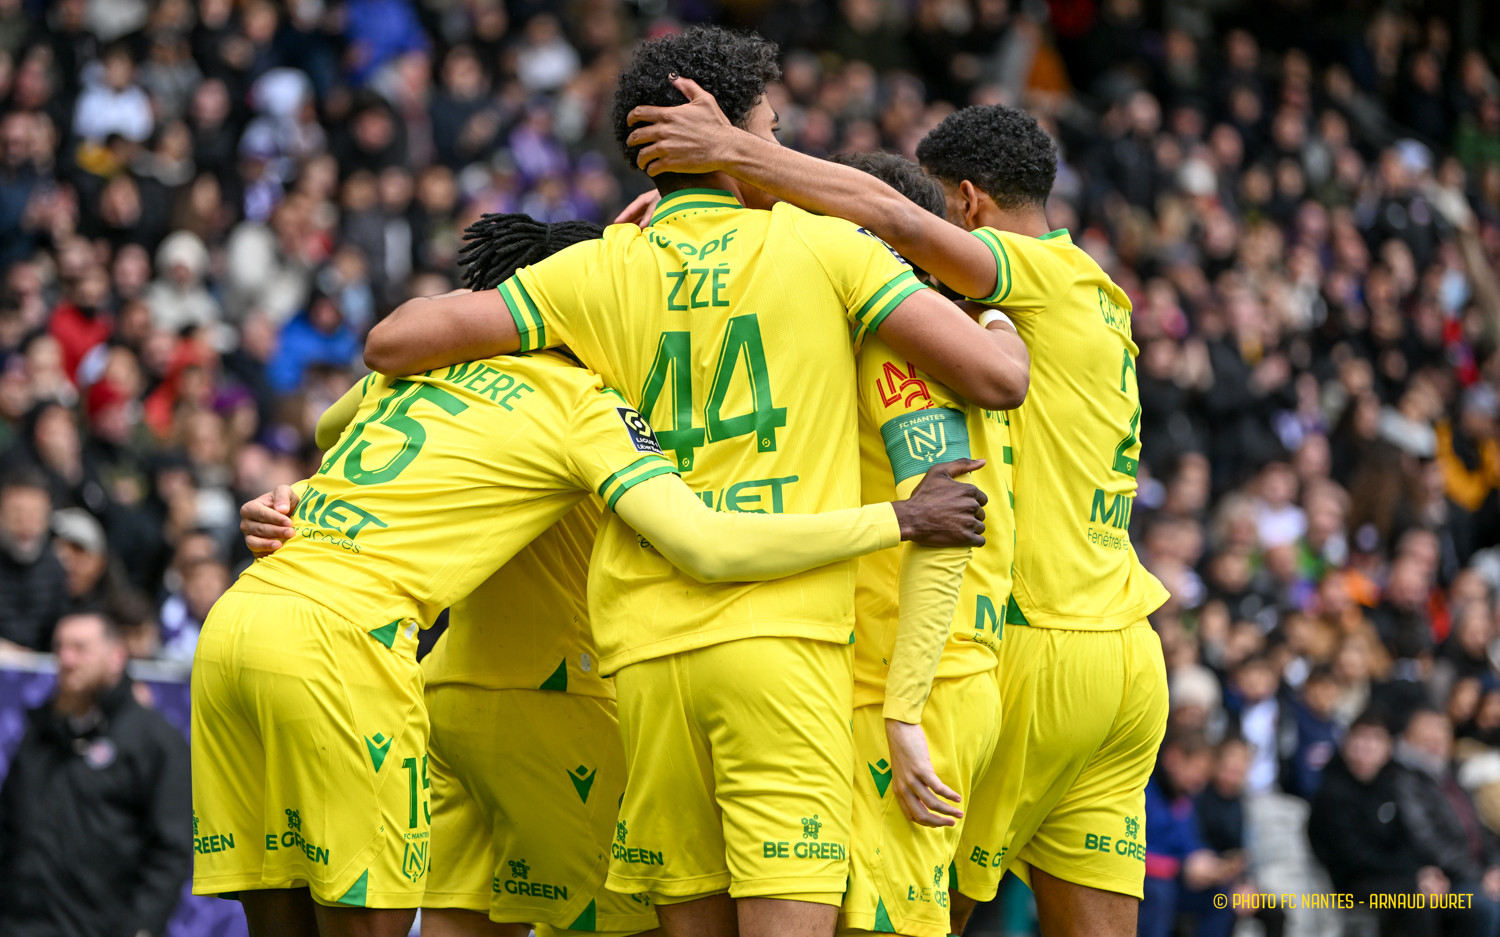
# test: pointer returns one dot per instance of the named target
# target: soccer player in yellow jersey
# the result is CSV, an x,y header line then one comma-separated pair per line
x,y
514,681
904,835
309,730
1083,684
731,328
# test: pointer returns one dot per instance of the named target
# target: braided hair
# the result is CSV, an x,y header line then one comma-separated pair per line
x,y
499,245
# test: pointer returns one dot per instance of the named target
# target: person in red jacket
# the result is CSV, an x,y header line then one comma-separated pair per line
x,y
81,322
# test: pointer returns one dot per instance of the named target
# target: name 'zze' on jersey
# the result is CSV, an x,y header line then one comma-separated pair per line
x,y
729,329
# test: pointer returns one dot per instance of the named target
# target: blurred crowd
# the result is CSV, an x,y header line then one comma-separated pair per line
x,y
205,205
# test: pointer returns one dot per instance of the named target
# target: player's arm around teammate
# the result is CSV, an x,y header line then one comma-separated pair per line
x,y
932,332
725,546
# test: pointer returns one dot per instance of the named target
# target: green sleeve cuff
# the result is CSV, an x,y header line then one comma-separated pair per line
x,y
631,475
1002,266
887,298
529,324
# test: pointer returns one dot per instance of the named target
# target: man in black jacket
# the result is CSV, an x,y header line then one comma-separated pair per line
x,y
33,586
1441,818
1357,833
95,817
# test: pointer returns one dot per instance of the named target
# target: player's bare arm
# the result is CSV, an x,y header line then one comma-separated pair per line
x,y
696,137
431,331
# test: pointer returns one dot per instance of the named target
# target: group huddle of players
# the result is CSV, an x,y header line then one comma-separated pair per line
x,y
693,677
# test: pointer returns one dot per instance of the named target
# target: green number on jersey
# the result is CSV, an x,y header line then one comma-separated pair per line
x,y
1124,462
743,334
399,419
674,354
672,372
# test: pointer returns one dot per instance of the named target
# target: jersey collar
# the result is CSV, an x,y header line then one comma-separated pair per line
x,y
1059,233
693,200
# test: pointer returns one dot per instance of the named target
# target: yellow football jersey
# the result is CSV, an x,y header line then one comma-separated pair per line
x,y
1075,438
444,475
908,422
730,330
527,626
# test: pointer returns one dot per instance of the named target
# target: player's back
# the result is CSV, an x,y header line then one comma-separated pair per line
x,y
730,330
1075,438
526,627
443,476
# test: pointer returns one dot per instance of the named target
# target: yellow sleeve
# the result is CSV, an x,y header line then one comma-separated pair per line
x,y
731,546
1029,275
922,424
930,581
545,296
869,277
610,447
331,424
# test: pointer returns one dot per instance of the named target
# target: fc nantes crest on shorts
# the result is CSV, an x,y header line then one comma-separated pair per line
x,y
309,753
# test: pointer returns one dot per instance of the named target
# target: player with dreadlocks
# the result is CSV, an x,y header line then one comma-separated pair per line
x,y
476,487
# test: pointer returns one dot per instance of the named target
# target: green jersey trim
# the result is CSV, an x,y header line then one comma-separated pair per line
x,y
1059,233
889,306
640,470
1002,265
917,441
687,199
529,324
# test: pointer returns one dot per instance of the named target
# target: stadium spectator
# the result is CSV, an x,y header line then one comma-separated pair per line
x,y
96,827
33,584
1177,859
1360,836
1441,819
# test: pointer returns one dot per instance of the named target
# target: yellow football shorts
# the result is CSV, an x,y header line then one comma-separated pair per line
x,y
1085,712
738,757
526,790
309,753
898,880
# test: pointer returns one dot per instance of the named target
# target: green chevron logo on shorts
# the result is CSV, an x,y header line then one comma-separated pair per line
x,y
583,781
585,920
378,745
881,772
559,679
386,634
882,918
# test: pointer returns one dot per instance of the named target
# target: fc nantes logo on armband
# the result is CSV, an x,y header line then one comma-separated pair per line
x,y
918,441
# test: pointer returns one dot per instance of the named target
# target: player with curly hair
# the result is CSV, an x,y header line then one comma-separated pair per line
x,y
730,328
1083,683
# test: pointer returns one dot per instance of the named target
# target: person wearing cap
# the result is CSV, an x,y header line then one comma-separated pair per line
x,y
96,582
33,585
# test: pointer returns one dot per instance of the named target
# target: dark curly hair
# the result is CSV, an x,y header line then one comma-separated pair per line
x,y
733,67
1000,149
